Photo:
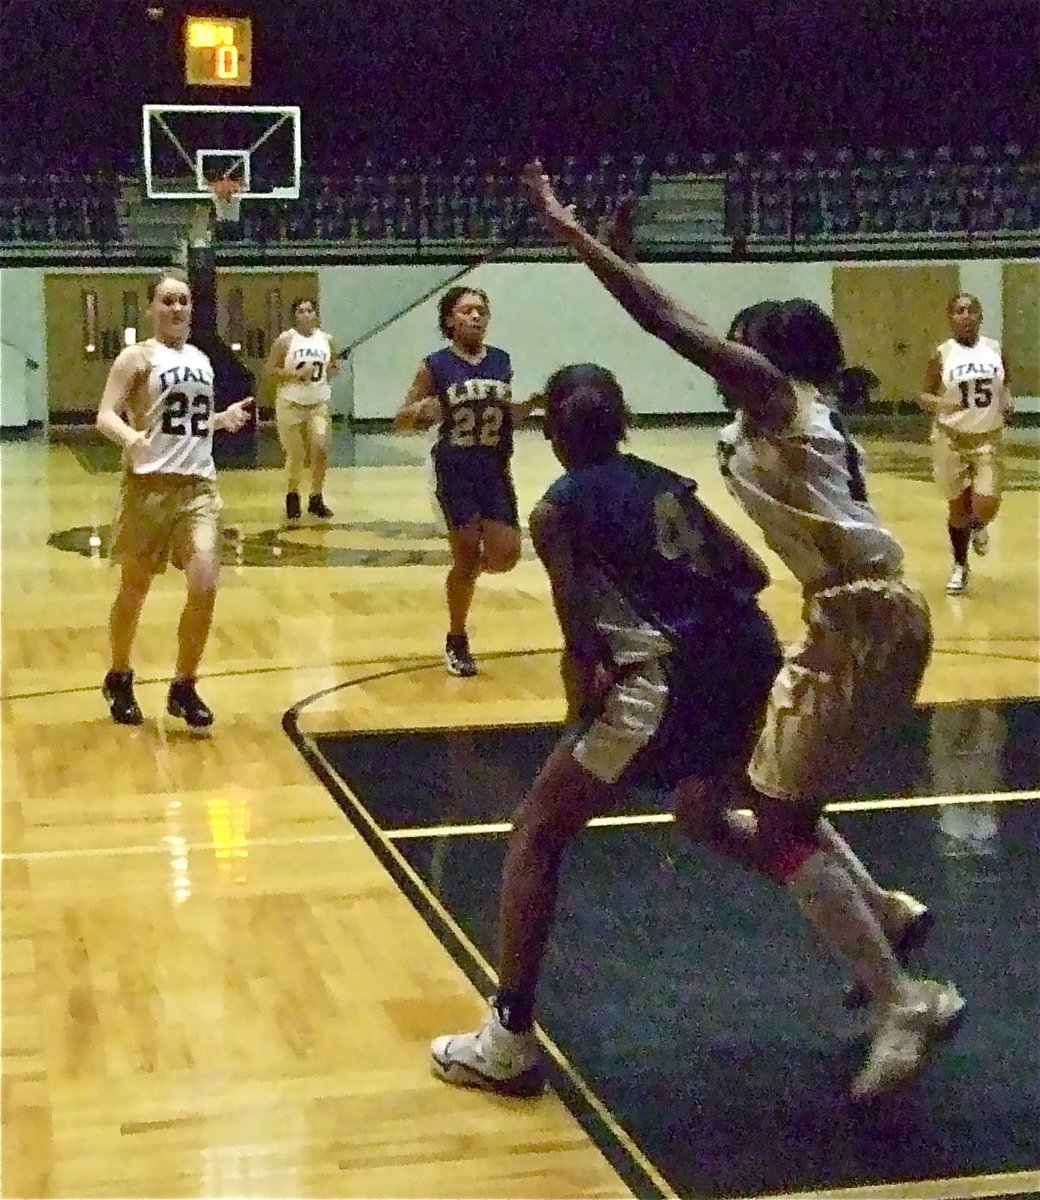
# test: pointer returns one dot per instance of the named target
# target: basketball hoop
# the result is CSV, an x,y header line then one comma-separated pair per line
x,y
227,198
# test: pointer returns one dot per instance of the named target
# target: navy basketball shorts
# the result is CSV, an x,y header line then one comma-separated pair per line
x,y
473,486
694,712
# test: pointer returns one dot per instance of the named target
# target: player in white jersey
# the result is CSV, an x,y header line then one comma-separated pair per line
x,y
158,405
866,642
302,360
966,390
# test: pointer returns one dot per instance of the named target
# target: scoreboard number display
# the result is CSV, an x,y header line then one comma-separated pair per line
x,y
218,51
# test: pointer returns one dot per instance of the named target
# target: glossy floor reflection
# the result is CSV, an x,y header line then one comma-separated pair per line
x,y
691,999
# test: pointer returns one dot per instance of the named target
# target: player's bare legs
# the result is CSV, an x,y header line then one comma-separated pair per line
x,y
731,827
500,547
960,518
200,573
502,1055
123,619
562,799
134,584
465,543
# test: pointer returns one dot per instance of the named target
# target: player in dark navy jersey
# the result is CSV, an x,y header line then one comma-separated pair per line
x,y
668,661
466,389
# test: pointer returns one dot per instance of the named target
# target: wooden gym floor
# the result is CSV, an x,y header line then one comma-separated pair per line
x,y
223,959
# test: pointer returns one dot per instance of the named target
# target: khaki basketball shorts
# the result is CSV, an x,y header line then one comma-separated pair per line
x,y
165,518
963,460
693,712
290,417
854,674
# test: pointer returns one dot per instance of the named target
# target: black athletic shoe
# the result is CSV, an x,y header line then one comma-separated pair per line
x,y
184,701
457,657
292,505
318,507
118,690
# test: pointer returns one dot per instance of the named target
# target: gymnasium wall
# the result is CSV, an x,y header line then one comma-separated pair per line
x,y
547,314
23,336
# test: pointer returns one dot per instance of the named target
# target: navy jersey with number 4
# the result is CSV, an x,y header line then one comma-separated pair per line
x,y
475,412
659,569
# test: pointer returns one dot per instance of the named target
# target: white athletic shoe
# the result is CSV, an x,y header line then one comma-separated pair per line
x,y
958,580
491,1058
905,1035
980,540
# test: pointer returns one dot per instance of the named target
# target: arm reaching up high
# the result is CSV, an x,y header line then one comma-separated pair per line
x,y
748,379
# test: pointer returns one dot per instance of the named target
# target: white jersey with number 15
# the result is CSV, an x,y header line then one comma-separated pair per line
x,y
974,392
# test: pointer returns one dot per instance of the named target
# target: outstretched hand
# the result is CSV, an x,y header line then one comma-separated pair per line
x,y
553,214
236,415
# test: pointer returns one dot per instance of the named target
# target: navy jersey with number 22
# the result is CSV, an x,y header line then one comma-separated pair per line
x,y
475,412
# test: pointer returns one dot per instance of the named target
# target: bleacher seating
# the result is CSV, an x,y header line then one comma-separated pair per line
x,y
771,200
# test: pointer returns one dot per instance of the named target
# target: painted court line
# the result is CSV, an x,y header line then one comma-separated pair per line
x,y
963,1187
841,806
163,847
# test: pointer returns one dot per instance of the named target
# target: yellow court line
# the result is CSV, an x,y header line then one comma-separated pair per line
x,y
162,847
964,1187
845,806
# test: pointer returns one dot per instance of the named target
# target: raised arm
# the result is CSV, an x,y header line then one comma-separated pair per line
x,y
125,375
749,380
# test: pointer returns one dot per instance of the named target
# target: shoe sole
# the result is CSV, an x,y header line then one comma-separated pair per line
x,y
460,672
938,1035
527,1084
175,710
136,719
912,937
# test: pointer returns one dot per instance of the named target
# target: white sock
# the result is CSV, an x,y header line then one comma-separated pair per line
x,y
833,905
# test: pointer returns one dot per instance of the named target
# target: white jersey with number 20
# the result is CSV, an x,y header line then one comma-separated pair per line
x,y
308,359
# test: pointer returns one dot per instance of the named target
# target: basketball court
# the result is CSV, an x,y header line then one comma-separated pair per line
x,y
224,956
